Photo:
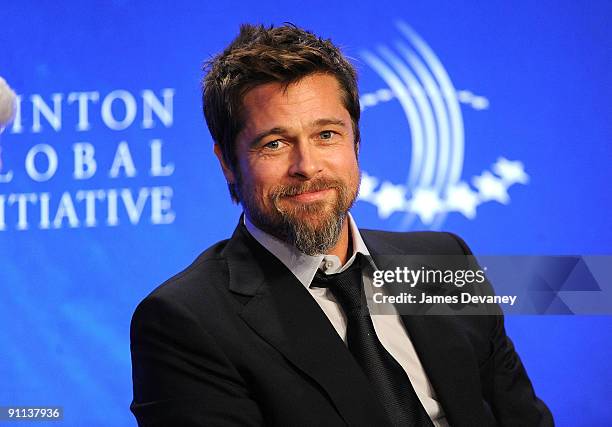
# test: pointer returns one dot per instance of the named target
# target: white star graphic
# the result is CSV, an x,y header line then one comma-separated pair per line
x,y
490,185
491,188
461,198
511,171
367,186
426,204
389,199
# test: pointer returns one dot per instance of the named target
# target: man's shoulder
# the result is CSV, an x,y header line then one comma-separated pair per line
x,y
416,242
204,281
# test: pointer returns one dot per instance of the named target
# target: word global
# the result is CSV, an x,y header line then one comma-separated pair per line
x,y
85,164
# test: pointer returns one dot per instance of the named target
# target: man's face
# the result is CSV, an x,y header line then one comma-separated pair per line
x,y
297,165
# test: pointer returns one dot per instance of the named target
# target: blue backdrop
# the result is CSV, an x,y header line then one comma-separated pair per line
x,y
490,120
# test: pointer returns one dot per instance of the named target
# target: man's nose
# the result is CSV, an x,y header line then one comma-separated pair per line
x,y
305,161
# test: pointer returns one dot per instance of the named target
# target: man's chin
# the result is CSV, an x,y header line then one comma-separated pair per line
x,y
312,228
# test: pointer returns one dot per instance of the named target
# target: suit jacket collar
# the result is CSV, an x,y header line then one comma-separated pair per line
x,y
284,314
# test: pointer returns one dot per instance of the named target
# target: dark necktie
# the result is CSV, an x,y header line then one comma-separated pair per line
x,y
391,384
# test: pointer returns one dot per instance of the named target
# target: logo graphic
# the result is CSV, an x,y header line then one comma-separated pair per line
x,y
434,186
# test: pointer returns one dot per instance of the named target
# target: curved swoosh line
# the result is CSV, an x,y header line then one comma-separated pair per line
x,y
451,101
419,96
416,131
432,89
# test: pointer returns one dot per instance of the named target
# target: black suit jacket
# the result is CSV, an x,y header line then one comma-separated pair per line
x,y
236,339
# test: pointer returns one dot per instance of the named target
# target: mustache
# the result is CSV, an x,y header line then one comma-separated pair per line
x,y
305,187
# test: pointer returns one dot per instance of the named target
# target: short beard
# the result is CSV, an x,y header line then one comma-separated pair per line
x,y
312,240
290,224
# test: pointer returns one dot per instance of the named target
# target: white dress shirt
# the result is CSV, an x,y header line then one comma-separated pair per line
x,y
389,327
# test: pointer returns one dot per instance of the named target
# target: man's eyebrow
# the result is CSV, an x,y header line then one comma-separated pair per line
x,y
330,121
274,131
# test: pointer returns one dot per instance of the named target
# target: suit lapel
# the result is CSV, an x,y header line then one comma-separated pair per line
x,y
284,314
443,350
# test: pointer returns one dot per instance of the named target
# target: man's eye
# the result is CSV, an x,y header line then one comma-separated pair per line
x,y
273,145
326,134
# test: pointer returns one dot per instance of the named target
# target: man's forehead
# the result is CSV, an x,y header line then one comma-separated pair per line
x,y
312,85
312,100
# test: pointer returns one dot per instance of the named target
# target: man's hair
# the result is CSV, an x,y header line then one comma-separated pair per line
x,y
260,55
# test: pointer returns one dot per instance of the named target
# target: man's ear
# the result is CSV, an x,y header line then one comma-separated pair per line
x,y
227,171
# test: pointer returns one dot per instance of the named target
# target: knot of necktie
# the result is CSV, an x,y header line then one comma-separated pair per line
x,y
346,286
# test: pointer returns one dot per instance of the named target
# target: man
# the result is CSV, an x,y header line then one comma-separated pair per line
x,y
270,327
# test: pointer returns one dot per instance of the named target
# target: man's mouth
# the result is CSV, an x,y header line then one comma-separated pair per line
x,y
311,196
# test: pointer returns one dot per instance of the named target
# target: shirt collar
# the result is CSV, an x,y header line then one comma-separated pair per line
x,y
304,267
